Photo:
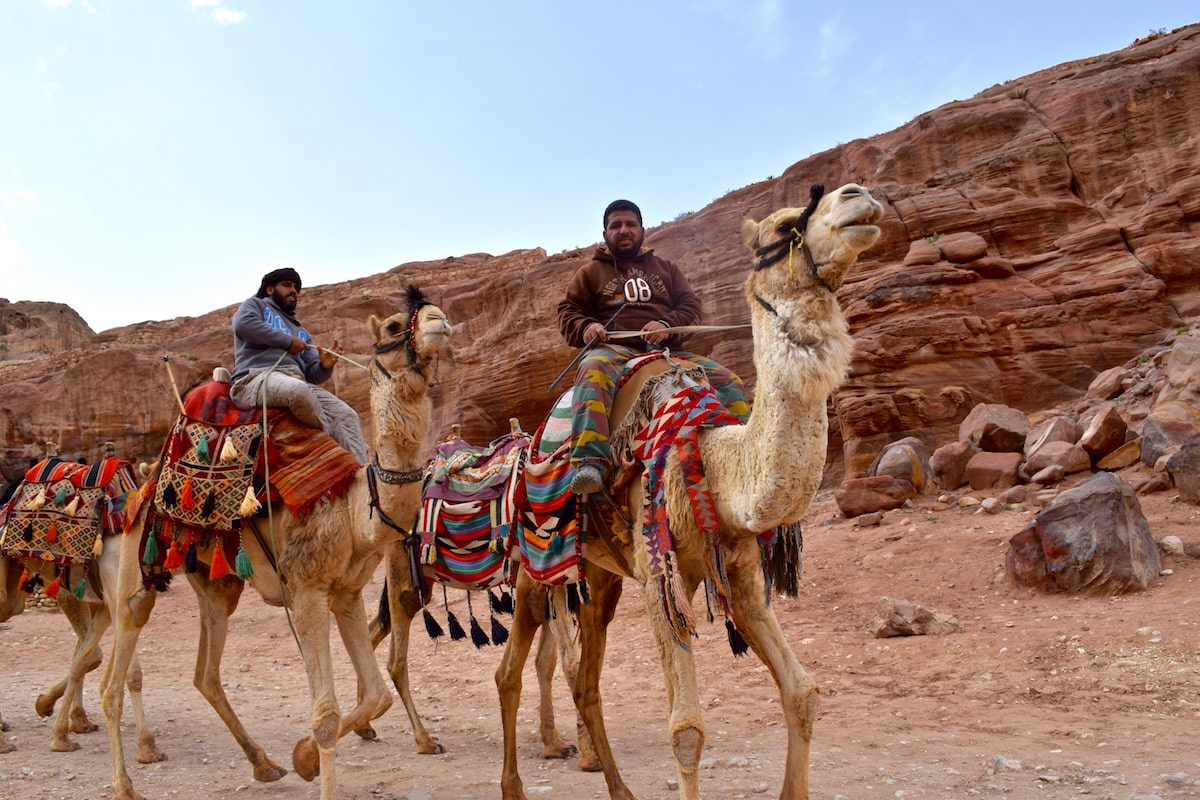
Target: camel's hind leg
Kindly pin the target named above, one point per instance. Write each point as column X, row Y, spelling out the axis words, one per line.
column 89, row 623
column 311, row 608
column 217, row 600
column 798, row 693
column 594, row 618
column 403, row 605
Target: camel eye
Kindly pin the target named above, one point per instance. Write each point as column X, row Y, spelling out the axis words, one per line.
column 392, row 328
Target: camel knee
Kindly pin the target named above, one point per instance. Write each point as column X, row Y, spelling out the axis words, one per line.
column 687, row 744
column 325, row 727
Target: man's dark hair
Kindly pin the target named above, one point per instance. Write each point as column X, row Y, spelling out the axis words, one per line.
column 621, row 205
column 275, row 276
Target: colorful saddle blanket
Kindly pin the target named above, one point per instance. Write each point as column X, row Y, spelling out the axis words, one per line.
column 214, row 471
column 62, row 509
column 468, row 511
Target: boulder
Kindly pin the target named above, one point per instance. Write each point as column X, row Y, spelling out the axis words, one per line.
column 1057, row 428
column 949, row 464
column 995, row 427
column 906, row 459
column 994, row 470
column 1105, row 432
column 1184, row 468
column 1108, row 384
column 1124, row 456
column 1071, row 457
column 1092, row 539
column 962, row 247
column 921, row 252
column 879, row 493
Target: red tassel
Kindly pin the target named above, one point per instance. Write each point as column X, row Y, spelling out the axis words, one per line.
column 174, row 559
column 52, row 589
column 219, row 567
column 52, row 533
column 187, row 499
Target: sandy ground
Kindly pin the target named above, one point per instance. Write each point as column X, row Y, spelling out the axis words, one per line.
column 1042, row 696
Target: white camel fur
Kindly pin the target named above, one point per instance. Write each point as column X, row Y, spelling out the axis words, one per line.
column 761, row 475
column 326, row 558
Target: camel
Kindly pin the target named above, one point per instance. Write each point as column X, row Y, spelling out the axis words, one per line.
column 89, row 618
column 760, row 475
column 315, row 566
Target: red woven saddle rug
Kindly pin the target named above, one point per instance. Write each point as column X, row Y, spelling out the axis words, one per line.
column 213, row 473
column 60, row 513
column 468, row 511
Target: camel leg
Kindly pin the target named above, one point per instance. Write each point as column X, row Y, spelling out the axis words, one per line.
column 686, row 724
column 374, row 698
column 217, row 600
column 403, row 604
column 312, row 605
column 544, row 662
column 560, row 631
column 525, row 623
column 89, row 624
column 594, row 619
column 798, row 693
column 131, row 607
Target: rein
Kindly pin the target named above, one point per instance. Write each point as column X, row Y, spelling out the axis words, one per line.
column 773, row 253
column 407, row 340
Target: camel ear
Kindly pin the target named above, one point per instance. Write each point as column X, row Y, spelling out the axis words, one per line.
column 374, row 323
column 750, row 233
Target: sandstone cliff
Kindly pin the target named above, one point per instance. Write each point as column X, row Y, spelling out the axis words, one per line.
column 1036, row 234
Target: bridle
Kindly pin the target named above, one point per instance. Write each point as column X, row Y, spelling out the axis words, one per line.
column 408, row 340
column 773, row 253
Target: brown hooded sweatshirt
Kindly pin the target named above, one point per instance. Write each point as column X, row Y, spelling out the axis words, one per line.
column 651, row 287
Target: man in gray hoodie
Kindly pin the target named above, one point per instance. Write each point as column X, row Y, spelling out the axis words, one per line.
column 275, row 356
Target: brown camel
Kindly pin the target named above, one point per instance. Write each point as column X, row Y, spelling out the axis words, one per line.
column 760, row 475
column 89, row 618
column 325, row 559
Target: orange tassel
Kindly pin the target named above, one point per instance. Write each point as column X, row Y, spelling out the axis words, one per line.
column 52, row 589
column 24, row 577
column 187, row 499
column 52, row 533
column 174, row 559
column 219, row 566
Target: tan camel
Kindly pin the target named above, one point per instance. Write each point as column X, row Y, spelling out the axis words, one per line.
column 761, row 475
column 326, row 559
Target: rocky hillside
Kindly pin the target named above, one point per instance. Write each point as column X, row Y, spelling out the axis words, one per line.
column 1035, row 235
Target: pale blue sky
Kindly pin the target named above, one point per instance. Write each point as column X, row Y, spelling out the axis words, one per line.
column 158, row 156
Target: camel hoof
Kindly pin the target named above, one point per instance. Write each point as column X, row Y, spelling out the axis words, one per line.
column 44, row 705
column 306, row 759
column 559, row 751
column 588, row 762
column 430, row 748
column 83, row 725
column 367, row 733
column 269, row 772
column 150, row 755
column 6, row 746
column 63, row 746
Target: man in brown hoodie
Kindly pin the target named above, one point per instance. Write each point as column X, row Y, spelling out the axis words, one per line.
column 645, row 293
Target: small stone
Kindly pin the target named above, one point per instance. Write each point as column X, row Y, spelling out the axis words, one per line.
column 1171, row 545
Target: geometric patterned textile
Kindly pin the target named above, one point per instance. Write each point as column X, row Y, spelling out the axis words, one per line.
column 204, row 484
column 550, row 537
column 62, row 509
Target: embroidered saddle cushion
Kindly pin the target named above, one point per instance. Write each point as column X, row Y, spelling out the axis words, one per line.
column 62, row 509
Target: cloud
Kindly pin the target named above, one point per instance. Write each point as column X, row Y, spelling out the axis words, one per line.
column 220, row 14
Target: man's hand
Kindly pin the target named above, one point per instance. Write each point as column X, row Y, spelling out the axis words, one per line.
column 652, row 332
column 594, row 334
column 297, row 346
column 328, row 355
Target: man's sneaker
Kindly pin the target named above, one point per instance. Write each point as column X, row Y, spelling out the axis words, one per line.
column 587, row 480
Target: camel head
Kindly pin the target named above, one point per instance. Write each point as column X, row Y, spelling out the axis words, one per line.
column 422, row 331
column 815, row 245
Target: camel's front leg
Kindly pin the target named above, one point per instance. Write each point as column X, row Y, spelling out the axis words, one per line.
column 559, row 631
column 403, row 604
column 679, row 671
column 594, row 618
column 526, row 621
column 798, row 693
column 131, row 606
column 374, row 698
column 217, row 599
column 310, row 609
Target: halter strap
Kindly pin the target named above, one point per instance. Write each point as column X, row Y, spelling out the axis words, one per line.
column 773, row 253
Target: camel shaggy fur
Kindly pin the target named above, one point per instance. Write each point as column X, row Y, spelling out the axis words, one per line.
column 325, row 560
column 761, row 475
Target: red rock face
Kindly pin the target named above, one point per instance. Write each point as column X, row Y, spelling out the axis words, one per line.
column 1066, row 204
